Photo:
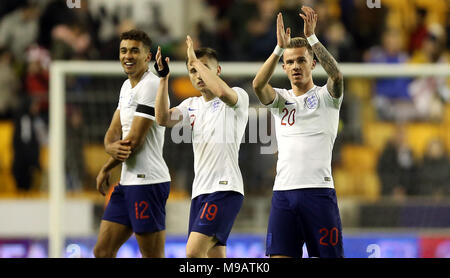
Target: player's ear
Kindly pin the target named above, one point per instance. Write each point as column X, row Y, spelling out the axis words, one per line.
column 149, row 57
column 219, row 70
column 313, row 64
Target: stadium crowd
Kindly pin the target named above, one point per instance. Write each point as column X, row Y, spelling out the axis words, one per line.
column 34, row 33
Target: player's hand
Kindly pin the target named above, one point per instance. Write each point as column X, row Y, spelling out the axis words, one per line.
column 162, row 66
column 102, row 181
column 190, row 50
column 119, row 150
column 283, row 37
column 310, row 20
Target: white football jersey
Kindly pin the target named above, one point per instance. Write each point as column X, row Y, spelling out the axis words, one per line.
column 217, row 131
column 306, row 128
column 146, row 165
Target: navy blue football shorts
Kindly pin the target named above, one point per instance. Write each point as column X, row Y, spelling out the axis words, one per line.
column 305, row 216
column 140, row 207
column 214, row 214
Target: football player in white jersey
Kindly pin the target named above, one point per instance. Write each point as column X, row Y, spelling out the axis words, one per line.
column 304, row 208
column 217, row 120
column 135, row 141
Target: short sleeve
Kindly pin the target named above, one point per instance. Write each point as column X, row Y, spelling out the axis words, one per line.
column 118, row 103
column 278, row 102
column 146, row 98
column 243, row 100
column 184, row 109
column 122, row 89
column 330, row 101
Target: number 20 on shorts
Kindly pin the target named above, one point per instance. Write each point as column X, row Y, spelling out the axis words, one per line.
column 211, row 211
column 330, row 236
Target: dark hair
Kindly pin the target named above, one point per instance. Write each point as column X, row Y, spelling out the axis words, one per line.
column 298, row 42
column 137, row 35
column 206, row 51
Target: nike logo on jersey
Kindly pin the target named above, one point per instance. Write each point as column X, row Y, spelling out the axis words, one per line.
column 191, row 109
column 289, row 103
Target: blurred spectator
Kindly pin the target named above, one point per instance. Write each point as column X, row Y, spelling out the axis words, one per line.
column 392, row 99
column 396, row 167
column 37, row 77
column 71, row 42
column 160, row 33
column 339, row 43
column 107, row 29
column 290, row 10
column 54, row 14
column 364, row 25
column 430, row 93
column 433, row 46
column 435, row 170
column 74, row 150
column 110, row 47
column 221, row 6
column 238, row 17
column 29, row 134
column 89, row 23
column 215, row 30
column 9, row 85
column 8, row 6
column 447, row 29
column 419, row 32
column 261, row 31
column 18, row 29
column 207, row 38
column 326, row 13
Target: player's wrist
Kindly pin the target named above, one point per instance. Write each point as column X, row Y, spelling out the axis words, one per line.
column 105, row 169
column 165, row 77
column 278, row 51
column 312, row 39
column 108, row 149
column 164, row 72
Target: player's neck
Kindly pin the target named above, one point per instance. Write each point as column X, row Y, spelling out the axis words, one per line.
column 207, row 95
column 300, row 89
column 135, row 78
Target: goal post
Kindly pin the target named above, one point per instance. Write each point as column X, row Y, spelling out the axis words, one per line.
column 57, row 98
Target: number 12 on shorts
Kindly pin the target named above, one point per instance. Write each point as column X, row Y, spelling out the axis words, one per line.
column 140, row 208
column 211, row 211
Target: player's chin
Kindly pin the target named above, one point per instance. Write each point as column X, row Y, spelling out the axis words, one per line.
column 200, row 87
column 128, row 71
column 297, row 79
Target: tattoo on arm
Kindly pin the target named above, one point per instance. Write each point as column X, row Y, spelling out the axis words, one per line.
column 335, row 84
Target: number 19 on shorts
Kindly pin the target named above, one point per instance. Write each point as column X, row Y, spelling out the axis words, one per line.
column 210, row 210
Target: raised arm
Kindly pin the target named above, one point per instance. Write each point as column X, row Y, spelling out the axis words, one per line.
column 165, row 116
column 261, row 86
column 212, row 81
column 335, row 83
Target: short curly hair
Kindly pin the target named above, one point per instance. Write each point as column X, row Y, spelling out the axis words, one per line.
column 137, row 35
